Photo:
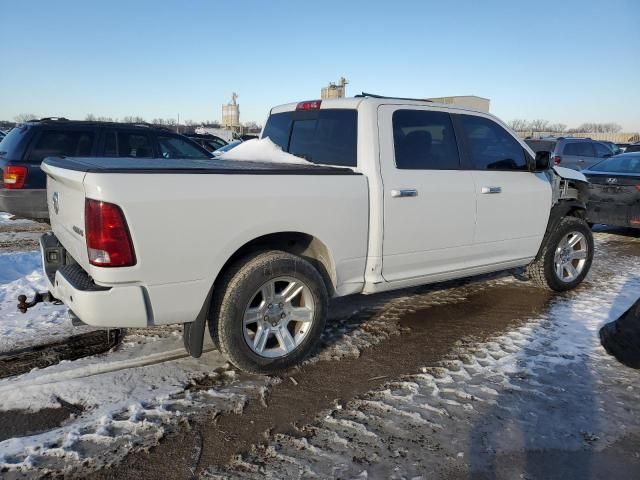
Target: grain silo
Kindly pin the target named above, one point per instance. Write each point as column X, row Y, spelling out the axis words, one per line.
column 231, row 113
column 334, row 90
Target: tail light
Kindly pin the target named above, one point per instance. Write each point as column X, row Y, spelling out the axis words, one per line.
column 638, row 187
column 14, row 177
column 557, row 159
column 108, row 239
column 309, row 105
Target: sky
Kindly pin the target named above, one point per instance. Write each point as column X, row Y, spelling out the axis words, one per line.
column 563, row 61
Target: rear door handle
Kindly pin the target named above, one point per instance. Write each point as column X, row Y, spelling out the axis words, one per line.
column 491, row 190
column 405, row 192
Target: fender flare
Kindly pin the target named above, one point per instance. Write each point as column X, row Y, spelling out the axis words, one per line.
column 560, row 210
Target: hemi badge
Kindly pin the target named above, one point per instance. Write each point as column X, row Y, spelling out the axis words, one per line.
column 78, row 231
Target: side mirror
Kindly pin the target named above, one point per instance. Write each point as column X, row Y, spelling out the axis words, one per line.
column 543, row 161
column 607, row 155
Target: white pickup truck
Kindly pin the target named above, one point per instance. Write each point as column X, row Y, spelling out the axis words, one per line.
column 405, row 192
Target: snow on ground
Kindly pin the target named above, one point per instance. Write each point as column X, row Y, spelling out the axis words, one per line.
column 546, row 385
column 128, row 398
column 261, row 150
column 131, row 396
column 7, row 219
column 21, row 273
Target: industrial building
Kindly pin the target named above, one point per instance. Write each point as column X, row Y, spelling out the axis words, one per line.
column 470, row 101
column 334, row 90
column 231, row 113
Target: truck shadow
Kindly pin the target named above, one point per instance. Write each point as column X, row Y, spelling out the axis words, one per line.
column 347, row 314
column 547, row 422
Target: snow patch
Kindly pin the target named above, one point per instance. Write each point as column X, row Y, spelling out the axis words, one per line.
column 262, row 150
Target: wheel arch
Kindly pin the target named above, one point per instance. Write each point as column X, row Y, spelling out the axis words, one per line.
column 297, row 243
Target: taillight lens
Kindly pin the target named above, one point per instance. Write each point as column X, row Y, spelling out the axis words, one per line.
column 309, row 105
column 557, row 159
column 108, row 239
column 14, row 177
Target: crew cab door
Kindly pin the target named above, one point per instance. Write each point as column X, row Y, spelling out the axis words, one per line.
column 513, row 203
column 429, row 201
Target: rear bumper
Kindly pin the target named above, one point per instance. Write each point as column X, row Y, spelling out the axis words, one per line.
column 120, row 306
column 28, row 203
column 613, row 214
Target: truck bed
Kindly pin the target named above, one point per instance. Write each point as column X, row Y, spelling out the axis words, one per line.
column 176, row 165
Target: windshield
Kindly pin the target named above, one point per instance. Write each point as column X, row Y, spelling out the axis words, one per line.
column 619, row 164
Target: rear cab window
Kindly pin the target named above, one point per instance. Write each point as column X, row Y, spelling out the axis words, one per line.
column 328, row 136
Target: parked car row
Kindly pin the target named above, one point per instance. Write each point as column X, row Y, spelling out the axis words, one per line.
column 22, row 190
column 576, row 153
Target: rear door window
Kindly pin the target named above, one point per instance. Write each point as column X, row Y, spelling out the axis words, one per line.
column 424, row 140
column 490, row 146
column 602, row 150
column 67, row 143
column 321, row 136
column 122, row 143
column 579, row 149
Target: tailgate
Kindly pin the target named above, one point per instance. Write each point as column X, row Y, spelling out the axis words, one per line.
column 65, row 200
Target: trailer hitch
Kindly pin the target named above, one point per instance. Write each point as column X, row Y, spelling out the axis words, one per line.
column 39, row 297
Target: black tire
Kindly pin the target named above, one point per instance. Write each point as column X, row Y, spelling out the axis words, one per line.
column 235, row 291
column 542, row 270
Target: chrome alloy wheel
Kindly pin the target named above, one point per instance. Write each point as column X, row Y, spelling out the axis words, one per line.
column 278, row 317
column 570, row 256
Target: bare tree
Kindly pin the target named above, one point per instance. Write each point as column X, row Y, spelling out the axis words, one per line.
column 133, row 119
column 539, row 125
column 557, row 127
column 599, row 128
column 611, row 128
column 519, row 125
column 25, row 117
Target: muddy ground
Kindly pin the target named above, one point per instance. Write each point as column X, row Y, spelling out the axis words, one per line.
column 427, row 337
column 487, row 378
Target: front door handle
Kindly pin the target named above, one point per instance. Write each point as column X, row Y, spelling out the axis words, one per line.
column 491, row 190
column 405, row 192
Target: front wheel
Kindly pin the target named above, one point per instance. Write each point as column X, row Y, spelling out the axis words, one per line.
column 269, row 312
column 566, row 256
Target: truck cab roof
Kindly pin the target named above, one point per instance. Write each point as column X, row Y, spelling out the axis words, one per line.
column 355, row 102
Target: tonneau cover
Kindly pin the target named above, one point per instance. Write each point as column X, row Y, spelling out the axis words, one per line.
column 177, row 165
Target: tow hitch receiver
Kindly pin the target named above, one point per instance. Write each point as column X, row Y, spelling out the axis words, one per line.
column 39, row 297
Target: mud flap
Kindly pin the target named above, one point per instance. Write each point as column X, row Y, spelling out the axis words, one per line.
column 193, row 332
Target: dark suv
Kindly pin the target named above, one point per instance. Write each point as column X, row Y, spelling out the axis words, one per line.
column 23, row 185
column 576, row 153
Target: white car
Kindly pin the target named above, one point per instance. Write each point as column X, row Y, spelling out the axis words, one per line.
column 405, row 192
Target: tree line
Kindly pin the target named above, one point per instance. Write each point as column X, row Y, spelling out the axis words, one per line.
column 189, row 125
column 541, row 125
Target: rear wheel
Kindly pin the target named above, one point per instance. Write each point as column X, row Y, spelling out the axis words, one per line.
column 269, row 312
column 566, row 256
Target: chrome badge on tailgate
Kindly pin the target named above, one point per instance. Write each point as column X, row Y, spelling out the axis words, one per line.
column 56, row 202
